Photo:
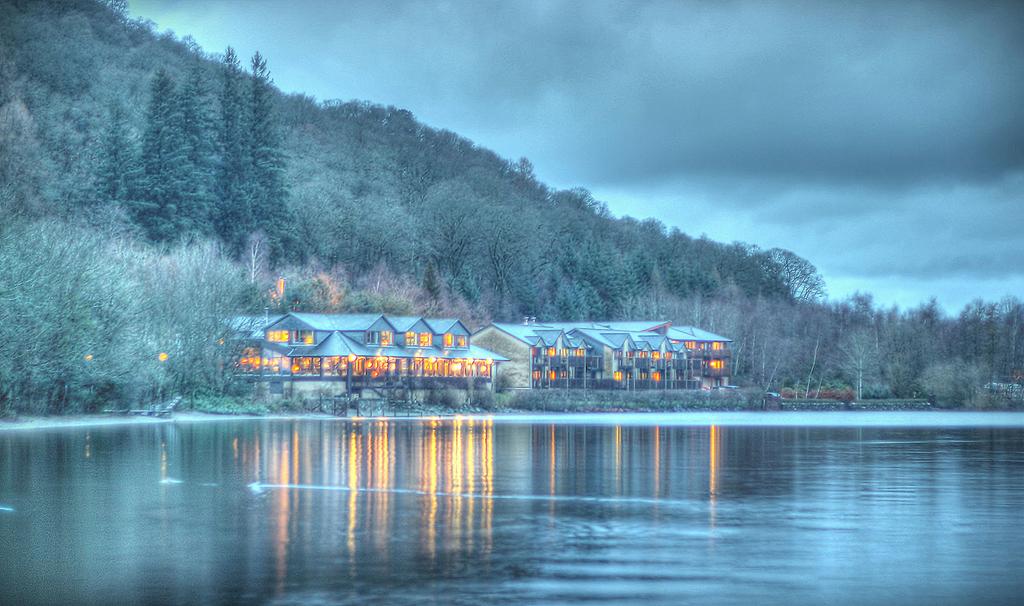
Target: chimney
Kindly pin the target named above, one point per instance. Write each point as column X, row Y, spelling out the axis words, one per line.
column 526, row 320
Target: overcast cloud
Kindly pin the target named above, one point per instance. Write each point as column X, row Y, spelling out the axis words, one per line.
column 882, row 141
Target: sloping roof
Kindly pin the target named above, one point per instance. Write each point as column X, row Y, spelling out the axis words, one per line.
column 593, row 336
column 634, row 325
column 404, row 323
column 692, row 333
column 441, row 325
column 548, row 337
column 347, row 322
column 616, row 338
column 251, row 327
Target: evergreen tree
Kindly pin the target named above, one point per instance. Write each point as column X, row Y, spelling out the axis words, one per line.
column 196, row 125
column 118, row 169
column 266, row 185
column 163, row 188
column 431, row 282
column 233, row 219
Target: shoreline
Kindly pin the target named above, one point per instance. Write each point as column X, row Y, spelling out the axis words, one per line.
column 819, row 418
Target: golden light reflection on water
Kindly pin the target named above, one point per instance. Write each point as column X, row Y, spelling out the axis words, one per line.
column 657, row 461
column 445, row 468
column 713, row 462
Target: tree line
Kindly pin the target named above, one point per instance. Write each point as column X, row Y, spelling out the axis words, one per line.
column 145, row 160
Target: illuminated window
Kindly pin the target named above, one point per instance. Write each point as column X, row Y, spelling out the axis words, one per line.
column 717, row 345
column 425, row 339
column 656, row 375
column 410, row 339
column 277, row 336
column 552, row 375
column 618, row 375
column 302, row 336
column 386, row 338
column 668, row 355
column 449, row 339
column 551, row 352
column 656, row 355
column 461, row 340
column 690, row 345
column 536, row 375
column 717, row 364
column 581, row 352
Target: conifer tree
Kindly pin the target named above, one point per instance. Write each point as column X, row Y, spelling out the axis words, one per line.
column 196, row 125
column 233, row 215
column 267, row 189
column 118, row 169
column 157, row 207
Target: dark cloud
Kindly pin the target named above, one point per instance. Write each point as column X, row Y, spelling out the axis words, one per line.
column 893, row 132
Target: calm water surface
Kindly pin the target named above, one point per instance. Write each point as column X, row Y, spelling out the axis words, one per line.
column 671, row 509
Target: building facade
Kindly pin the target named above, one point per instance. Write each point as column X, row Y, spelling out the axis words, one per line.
column 608, row 355
column 299, row 353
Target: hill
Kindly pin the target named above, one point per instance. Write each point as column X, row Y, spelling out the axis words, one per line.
column 148, row 189
column 366, row 187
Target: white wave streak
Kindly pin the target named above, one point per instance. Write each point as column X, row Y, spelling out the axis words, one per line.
column 257, row 488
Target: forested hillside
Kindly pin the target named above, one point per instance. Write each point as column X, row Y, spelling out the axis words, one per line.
column 144, row 170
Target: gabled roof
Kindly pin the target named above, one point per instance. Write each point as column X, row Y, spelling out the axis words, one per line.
column 404, row 323
column 617, row 338
column 548, row 337
column 443, row 325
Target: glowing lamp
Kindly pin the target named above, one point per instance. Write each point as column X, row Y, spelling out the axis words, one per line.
column 88, row 357
column 162, row 356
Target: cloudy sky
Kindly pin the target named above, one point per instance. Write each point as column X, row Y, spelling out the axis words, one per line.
column 882, row 141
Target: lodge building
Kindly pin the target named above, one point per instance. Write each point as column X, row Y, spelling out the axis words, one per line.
column 302, row 353
column 608, row 355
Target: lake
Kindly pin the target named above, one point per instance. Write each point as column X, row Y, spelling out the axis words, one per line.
column 783, row 508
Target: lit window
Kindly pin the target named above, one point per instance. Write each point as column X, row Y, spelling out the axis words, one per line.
column 277, row 336
column 410, row 339
column 618, row 375
column 656, row 375
column 302, row 336
column 551, row 352
column 449, row 339
column 552, row 375
column 386, row 338
column 717, row 345
column 461, row 341
column 425, row 339
column 656, row 355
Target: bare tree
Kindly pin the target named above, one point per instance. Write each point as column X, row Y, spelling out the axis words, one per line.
column 798, row 275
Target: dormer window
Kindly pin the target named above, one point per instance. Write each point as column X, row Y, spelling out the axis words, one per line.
column 387, row 338
column 410, row 339
column 304, row 337
column 449, row 339
column 460, row 340
column 277, row 336
column 425, row 339
column 372, row 337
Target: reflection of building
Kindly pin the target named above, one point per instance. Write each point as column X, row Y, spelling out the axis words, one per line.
column 608, row 355
column 352, row 353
